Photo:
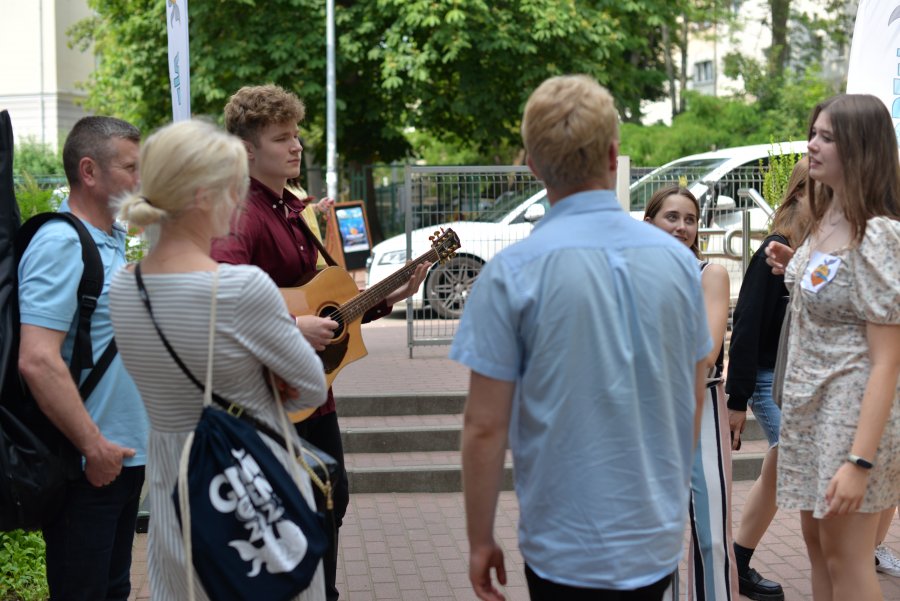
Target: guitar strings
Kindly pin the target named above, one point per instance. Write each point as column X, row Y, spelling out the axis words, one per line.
column 350, row 307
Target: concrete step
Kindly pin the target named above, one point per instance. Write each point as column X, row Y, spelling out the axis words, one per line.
column 440, row 471
column 430, row 432
column 410, row 443
column 400, row 404
column 436, row 471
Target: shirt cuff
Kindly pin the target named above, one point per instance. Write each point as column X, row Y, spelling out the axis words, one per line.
column 737, row 403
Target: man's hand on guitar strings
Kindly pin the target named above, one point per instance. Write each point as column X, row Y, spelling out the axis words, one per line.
column 318, row 331
column 415, row 280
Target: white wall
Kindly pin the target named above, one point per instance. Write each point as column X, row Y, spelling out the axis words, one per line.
column 751, row 38
column 39, row 73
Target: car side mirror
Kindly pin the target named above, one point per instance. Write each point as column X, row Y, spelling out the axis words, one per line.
column 534, row 213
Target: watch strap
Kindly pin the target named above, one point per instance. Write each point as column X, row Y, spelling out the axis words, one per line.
column 859, row 461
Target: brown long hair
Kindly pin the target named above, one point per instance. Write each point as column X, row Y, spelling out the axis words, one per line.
column 656, row 202
column 791, row 219
column 867, row 146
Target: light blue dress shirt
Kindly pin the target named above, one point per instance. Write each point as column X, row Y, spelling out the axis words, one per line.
column 49, row 274
column 599, row 320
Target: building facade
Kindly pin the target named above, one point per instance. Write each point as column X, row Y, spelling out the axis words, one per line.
column 41, row 77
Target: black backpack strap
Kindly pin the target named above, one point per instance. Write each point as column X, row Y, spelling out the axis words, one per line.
column 89, row 289
column 90, row 383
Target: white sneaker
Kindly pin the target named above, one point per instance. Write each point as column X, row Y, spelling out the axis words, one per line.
column 886, row 562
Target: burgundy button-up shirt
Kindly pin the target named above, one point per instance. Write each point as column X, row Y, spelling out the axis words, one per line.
column 277, row 244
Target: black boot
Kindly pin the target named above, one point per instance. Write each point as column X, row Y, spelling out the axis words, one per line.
column 753, row 586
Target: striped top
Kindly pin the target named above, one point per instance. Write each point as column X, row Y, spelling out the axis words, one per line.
column 253, row 330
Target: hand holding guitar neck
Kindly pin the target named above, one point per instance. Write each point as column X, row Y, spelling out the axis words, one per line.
column 415, row 280
column 332, row 307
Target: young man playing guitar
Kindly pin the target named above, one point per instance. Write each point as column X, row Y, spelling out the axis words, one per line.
column 271, row 235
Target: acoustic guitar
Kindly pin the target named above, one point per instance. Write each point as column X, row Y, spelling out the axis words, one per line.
column 333, row 293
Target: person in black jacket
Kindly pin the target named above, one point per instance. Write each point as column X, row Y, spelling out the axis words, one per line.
column 751, row 362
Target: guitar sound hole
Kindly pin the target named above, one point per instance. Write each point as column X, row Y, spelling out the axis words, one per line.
column 330, row 312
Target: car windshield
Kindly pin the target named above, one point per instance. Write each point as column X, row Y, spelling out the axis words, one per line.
column 509, row 200
column 684, row 173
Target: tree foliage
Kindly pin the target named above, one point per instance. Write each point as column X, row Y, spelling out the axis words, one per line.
column 35, row 158
column 766, row 112
column 457, row 69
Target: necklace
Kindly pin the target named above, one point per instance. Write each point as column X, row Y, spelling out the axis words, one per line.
column 835, row 226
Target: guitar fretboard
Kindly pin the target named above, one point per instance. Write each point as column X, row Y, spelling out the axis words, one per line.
column 359, row 304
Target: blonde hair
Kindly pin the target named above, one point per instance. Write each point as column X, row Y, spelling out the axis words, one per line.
column 791, row 219
column 568, row 126
column 176, row 162
column 253, row 108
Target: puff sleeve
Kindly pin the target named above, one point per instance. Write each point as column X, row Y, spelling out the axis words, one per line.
column 876, row 272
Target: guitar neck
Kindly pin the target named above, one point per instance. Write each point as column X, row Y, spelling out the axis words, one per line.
column 358, row 305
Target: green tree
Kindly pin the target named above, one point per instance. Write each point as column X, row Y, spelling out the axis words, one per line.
column 456, row 69
column 451, row 67
column 765, row 113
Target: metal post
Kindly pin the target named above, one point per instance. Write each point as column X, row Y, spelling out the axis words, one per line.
column 745, row 240
column 408, row 223
column 623, row 180
column 330, row 112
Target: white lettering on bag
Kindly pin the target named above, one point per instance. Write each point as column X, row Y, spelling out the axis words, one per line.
column 244, row 491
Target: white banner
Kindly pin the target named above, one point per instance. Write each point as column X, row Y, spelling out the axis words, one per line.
column 875, row 54
column 179, row 58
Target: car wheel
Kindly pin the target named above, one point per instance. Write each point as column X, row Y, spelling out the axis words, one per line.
column 448, row 286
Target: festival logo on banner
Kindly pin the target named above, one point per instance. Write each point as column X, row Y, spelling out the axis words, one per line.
column 179, row 58
column 874, row 66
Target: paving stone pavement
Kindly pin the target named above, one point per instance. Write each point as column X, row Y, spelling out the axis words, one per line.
column 413, row 547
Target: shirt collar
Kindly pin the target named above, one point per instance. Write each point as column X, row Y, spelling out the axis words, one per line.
column 582, row 202
column 274, row 200
column 100, row 236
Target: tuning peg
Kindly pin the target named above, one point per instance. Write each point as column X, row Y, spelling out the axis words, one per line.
column 431, row 238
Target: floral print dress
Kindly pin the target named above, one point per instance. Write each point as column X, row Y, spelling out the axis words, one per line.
column 828, row 368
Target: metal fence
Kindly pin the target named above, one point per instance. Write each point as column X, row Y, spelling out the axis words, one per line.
column 485, row 205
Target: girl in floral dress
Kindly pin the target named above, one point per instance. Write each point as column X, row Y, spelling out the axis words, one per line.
column 839, row 461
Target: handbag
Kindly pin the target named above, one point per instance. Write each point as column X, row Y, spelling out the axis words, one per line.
column 781, row 356
column 246, row 527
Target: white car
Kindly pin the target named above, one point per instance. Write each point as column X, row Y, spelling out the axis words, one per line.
column 713, row 177
column 447, row 285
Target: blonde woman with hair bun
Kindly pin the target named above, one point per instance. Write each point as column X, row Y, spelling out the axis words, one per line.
column 193, row 180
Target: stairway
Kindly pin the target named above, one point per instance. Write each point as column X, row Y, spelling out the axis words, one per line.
column 410, row 443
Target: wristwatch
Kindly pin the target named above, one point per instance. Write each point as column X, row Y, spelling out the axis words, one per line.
column 859, row 461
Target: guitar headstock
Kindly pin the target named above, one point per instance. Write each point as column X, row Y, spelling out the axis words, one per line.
column 445, row 243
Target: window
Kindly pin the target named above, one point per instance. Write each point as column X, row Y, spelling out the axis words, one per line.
column 703, row 72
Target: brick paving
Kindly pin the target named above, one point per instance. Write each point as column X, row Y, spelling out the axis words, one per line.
column 413, row 546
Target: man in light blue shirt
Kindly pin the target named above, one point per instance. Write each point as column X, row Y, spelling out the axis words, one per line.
column 89, row 543
column 585, row 343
